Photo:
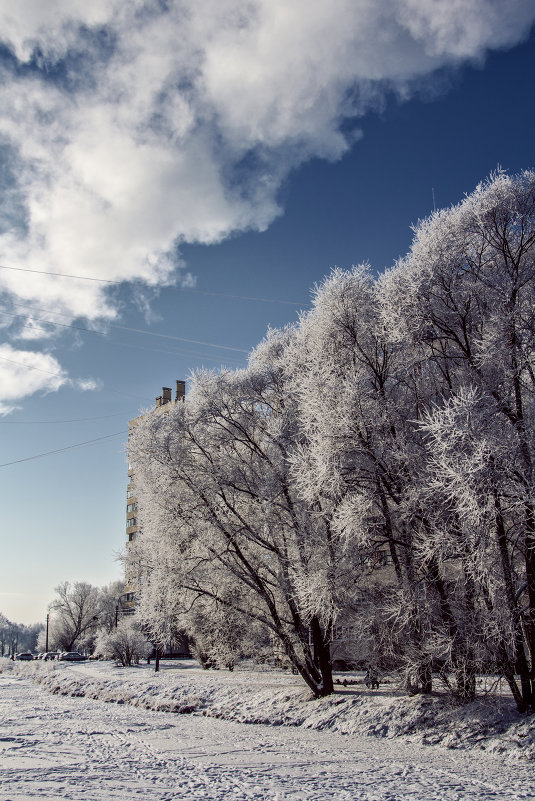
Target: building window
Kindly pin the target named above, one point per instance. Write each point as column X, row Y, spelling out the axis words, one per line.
column 375, row 559
column 344, row 633
column 131, row 521
column 131, row 507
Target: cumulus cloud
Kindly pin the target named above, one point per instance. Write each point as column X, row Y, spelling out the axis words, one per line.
column 130, row 128
column 26, row 327
column 25, row 372
column 86, row 384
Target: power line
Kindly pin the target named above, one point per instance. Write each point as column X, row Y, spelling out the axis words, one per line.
column 59, row 275
column 117, row 342
column 66, row 378
column 56, row 422
column 62, row 450
column 124, row 281
column 180, row 339
column 33, row 367
column 134, row 330
column 246, row 297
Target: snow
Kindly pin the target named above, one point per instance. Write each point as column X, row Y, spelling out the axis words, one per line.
column 59, row 739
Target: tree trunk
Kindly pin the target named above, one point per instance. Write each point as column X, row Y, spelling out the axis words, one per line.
column 521, row 661
column 462, row 658
column 419, row 675
column 322, row 656
column 529, row 614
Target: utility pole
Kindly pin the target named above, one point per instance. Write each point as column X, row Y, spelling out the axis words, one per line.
column 46, row 644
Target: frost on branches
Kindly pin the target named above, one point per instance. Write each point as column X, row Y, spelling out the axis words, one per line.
column 373, row 464
column 463, row 302
column 125, row 643
column 222, row 520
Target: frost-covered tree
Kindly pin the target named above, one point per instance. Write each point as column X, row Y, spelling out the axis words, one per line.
column 395, row 421
column 110, row 605
column 17, row 637
column 375, row 361
column 219, row 636
column 477, row 527
column 222, row 517
column 361, row 461
column 74, row 615
column 463, row 298
column 8, row 636
column 124, row 643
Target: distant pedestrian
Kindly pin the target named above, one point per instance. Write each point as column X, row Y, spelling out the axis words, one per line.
column 371, row 679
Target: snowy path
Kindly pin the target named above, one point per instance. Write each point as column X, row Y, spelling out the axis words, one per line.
column 56, row 747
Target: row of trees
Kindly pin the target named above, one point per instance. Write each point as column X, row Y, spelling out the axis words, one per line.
column 82, row 617
column 78, row 613
column 91, row 619
column 17, row 637
column 397, row 417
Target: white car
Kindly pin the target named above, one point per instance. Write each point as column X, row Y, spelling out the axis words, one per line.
column 71, row 656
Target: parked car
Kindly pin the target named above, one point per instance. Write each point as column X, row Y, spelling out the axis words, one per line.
column 25, row 656
column 71, row 656
column 51, row 655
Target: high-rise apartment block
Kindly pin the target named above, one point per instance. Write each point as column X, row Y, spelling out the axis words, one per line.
column 164, row 402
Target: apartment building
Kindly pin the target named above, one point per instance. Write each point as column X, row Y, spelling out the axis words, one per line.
column 164, row 402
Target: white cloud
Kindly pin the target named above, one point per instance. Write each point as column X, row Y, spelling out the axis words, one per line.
column 466, row 28
column 25, row 372
column 137, row 126
column 87, row 384
column 33, row 329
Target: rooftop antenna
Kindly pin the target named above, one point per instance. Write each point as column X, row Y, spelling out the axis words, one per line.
column 433, row 193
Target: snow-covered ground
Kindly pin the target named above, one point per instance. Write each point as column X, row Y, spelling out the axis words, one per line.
column 58, row 742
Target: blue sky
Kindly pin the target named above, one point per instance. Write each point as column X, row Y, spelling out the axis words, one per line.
column 214, row 160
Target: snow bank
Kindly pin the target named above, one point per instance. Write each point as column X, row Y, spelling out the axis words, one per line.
column 491, row 723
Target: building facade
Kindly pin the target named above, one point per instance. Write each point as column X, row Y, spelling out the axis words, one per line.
column 164, row 402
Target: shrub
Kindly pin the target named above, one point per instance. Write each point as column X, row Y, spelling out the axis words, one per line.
column 127, row 644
